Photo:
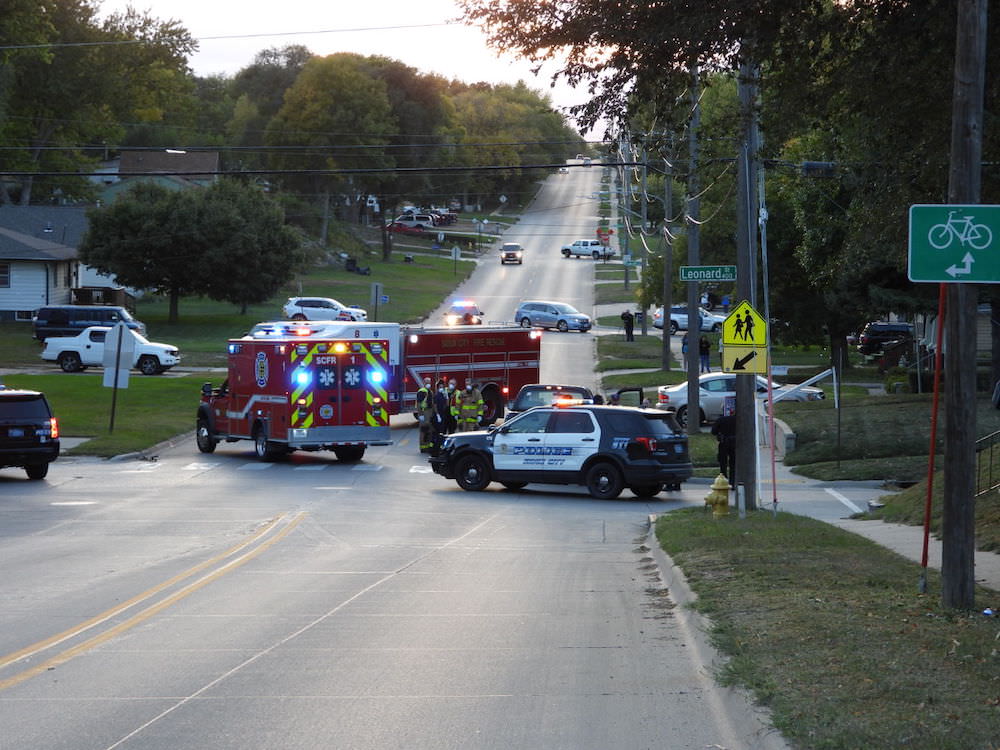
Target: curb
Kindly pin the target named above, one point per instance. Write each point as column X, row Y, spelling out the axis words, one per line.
column 149, row 454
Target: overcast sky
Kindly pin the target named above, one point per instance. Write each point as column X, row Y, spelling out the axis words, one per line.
column 383, row 27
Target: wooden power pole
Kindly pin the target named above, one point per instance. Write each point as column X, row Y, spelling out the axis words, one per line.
column 964, row 187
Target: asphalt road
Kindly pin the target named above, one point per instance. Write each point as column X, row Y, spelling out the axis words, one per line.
column 213, row 601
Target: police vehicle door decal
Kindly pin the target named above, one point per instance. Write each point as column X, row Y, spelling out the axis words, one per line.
column 521, row 443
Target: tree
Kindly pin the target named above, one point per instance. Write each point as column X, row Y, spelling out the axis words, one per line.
column 76, row 94
column 147, row 239
column 228, row 242
column 243, row 232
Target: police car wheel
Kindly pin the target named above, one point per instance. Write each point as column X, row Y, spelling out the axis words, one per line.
column 646, row 490
column 472, row 473
column 604, row 481
column 514, row 485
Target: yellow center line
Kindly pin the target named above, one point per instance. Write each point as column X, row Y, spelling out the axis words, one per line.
column 149, row 611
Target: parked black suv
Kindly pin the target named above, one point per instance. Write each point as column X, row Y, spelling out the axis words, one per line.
column 605, row 448
column 546, row 394
column 875, row 335
column 69, row 320
column 29, row 434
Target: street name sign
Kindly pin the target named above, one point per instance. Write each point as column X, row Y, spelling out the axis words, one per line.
column 708, row 273
column 954, row 243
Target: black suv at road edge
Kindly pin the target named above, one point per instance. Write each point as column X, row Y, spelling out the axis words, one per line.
column 605, row 448
column 29, row 434
column 875, row 335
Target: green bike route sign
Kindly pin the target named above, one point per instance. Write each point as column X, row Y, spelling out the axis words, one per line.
column 955, row 243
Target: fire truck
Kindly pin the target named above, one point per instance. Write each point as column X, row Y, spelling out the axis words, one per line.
column 332, row 385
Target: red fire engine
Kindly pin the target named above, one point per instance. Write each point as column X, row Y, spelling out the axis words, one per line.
column 333, row 385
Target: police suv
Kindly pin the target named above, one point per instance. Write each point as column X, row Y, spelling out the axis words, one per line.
column 605, row 448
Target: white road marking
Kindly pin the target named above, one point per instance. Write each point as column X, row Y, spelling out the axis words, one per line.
column 851, row 506
column 145, row 469
column 310, row 467
column 367, row 467
column 77, row 502
column 254, row 466
column 199, row 466
column 420, row 469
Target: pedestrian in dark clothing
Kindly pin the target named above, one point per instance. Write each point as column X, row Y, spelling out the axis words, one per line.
column 724, row 430
column 442, row 415
column 704, row 352
column 628, row 321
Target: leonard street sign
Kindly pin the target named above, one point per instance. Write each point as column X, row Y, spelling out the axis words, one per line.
column 708, row 273
column 955, row 243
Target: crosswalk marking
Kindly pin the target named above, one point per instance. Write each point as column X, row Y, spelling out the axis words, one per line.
column 420, row 469
column 196, row 466
column 254, row 466
column 367, row 467
column 310, row 467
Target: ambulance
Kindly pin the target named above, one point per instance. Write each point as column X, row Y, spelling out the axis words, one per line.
column 332, row 385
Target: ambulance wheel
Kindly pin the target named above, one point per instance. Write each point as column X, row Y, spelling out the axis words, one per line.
column 349, row 453
column 263, row 448
column 604, row 481
column 203, row 436
column 472, row 473
column 646, row 490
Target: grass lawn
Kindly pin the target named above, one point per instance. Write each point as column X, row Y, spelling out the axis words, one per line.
column 828, row 631
column 150, row 410
column 606, row 294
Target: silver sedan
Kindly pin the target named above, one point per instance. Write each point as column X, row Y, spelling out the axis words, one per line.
column 717, row 387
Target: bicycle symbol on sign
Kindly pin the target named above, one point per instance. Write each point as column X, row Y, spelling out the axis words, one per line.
column 976, row 236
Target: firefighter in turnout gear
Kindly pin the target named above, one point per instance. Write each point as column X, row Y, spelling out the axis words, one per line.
column 453, row 406
column 425, row 415
column 470, row 407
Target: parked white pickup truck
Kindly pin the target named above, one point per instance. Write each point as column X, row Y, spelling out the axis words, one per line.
column 86, row 349
column 588, row 248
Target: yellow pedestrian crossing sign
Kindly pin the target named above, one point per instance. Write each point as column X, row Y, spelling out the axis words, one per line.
column 745, row 327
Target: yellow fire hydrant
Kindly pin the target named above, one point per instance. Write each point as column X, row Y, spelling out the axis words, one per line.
column 718, row 498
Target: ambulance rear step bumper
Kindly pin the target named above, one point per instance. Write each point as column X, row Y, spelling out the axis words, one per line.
column 324, row 438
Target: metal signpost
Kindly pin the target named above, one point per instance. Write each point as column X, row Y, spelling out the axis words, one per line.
column 119, row 349
column 954, row 243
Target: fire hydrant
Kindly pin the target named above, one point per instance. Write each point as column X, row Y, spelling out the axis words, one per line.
column 718, row 498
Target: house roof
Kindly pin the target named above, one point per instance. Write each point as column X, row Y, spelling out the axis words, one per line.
column 41, row 232
column 144, row 162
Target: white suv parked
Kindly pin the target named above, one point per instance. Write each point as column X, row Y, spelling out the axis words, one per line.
column 321, row 308
column 86, row 349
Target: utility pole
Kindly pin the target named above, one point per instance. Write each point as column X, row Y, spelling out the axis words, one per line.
column 693, row 215
column 747, row 451
column 668, row 261
column 958, row 520
column 644, row 203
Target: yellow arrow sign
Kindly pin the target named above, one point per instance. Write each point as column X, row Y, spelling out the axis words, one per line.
column 744, row 359
column 744, row 327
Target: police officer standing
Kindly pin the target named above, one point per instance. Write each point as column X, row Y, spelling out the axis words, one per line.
column 470, row 407
column 425, row 415
column 442, row 414
column 724, row 430
column 628, row 321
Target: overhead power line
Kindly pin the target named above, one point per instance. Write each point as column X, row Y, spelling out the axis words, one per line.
column 125, row 42
column 331, row 172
